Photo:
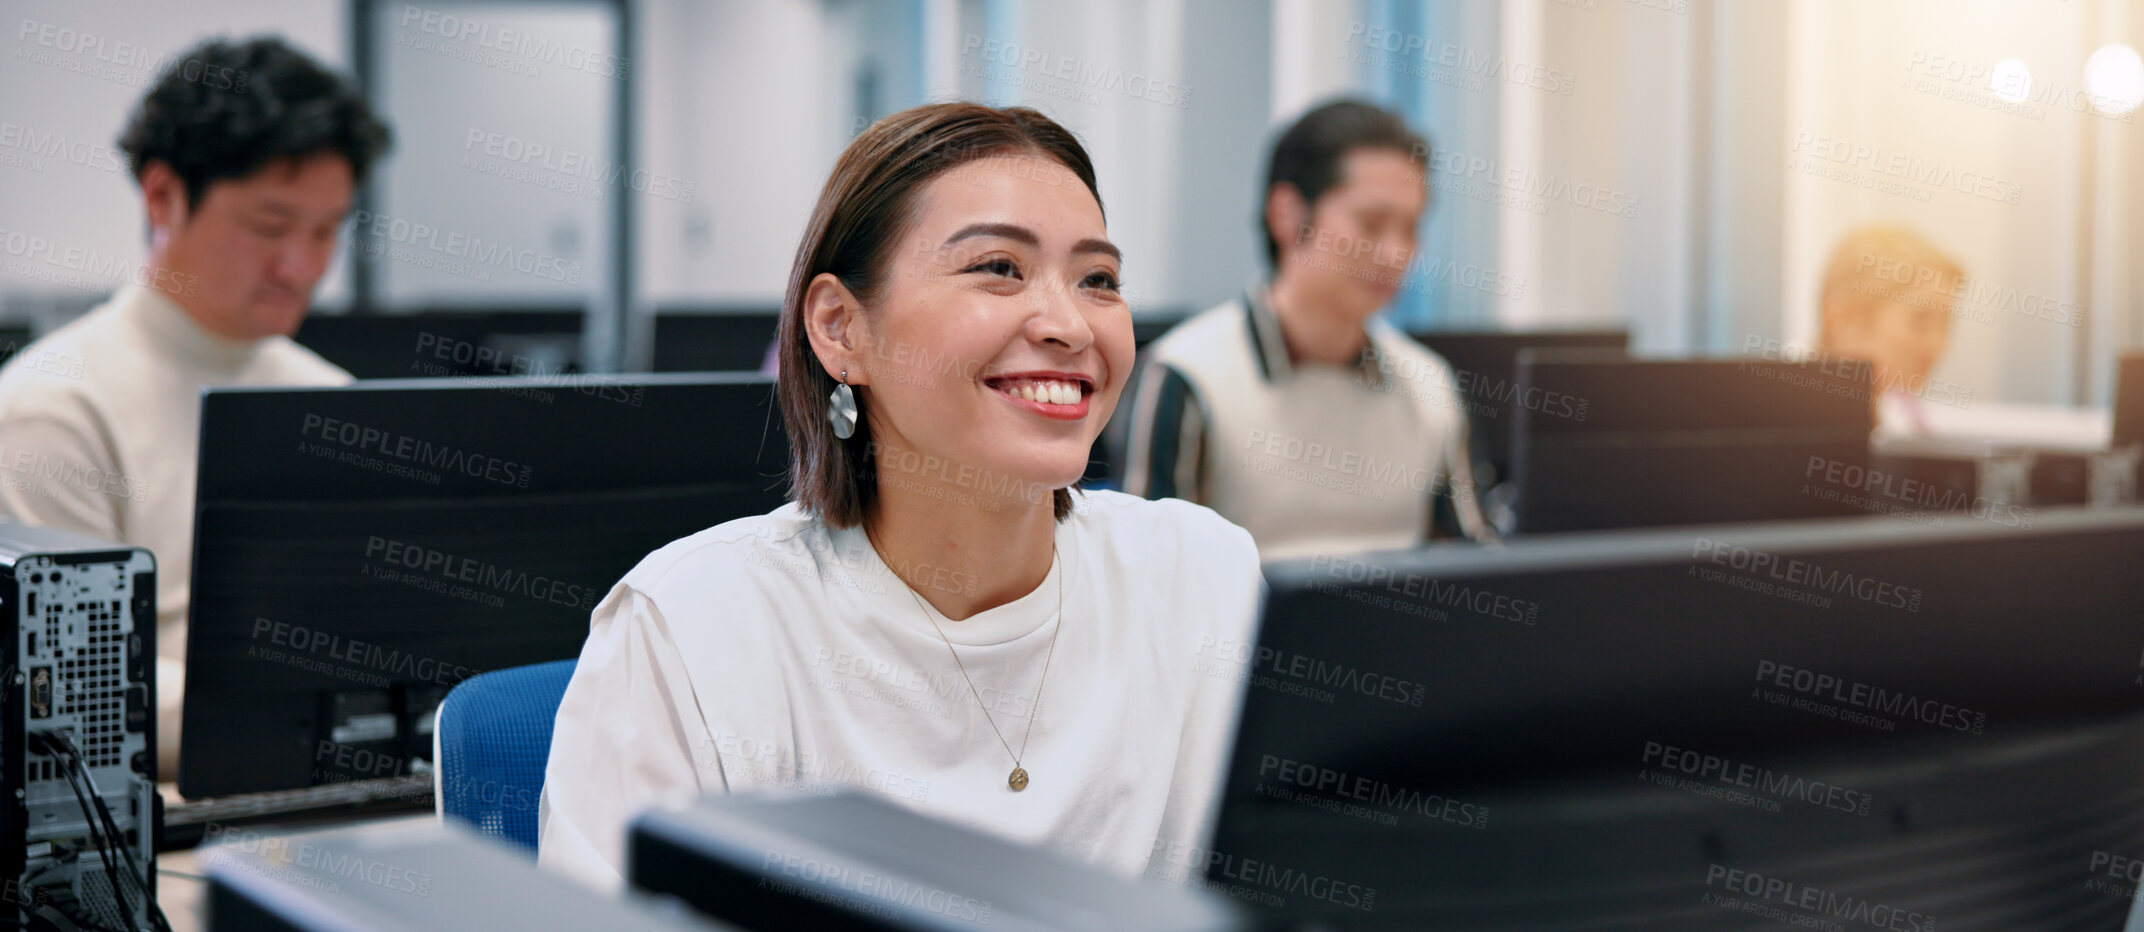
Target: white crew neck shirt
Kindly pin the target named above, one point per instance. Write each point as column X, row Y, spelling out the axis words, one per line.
column 774, row 651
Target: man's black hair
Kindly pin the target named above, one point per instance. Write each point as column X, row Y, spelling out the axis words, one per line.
column 227, row 108
column 1308, row 155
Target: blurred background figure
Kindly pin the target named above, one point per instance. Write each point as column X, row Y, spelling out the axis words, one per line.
column 1291, row 410
column 248, row 155
column 1887, row 300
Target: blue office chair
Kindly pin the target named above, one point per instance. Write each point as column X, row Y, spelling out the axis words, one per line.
column 494, row 735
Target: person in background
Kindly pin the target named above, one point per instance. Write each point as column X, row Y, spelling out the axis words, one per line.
column 248, row 154
column 937, row 616
column 1887, row 299
column 1291, row 410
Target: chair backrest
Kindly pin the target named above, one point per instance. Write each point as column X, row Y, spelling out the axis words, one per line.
column 494, row 738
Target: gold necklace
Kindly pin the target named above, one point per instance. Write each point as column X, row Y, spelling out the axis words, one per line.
column 1018, row 778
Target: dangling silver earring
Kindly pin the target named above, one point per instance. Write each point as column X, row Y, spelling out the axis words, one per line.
column 841, row 408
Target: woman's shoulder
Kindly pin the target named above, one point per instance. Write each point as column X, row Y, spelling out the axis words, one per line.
column 725, row 553
column 1136, row 527
column 1180, row 562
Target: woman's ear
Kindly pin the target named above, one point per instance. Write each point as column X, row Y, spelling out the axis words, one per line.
column 834, row 322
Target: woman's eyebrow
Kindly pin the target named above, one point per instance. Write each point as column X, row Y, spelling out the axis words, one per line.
column 1102, row 246
column 1011, row 231
column 1027, row 237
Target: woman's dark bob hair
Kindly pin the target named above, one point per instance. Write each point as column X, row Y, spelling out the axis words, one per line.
column 862, row 213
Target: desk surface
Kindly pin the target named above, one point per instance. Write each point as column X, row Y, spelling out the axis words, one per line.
column 1985, row 423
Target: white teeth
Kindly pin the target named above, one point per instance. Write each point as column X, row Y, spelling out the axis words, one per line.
column 1045, row 392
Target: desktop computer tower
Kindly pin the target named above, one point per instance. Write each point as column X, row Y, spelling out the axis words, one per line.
column 77, row 730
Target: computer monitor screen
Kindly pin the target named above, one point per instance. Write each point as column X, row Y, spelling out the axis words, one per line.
column 359, row 550
column 1606, row 441
column 1485, row 369
column 1843, row 721
column 717, row 340
column 445, row 343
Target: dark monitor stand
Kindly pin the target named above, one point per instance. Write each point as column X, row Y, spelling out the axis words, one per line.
column 1698, row 728
column 1605, row 441
column 359, row 550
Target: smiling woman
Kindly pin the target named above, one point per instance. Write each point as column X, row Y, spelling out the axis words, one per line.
column 996, row 182
column 937, row 616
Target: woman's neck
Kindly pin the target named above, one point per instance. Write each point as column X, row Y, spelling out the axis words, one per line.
column 964, row 553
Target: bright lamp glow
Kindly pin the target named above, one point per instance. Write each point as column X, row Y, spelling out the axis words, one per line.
column 2012, row 81
column 2114, row 79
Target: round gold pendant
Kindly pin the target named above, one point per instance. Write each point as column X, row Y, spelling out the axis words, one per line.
column 1018, row 780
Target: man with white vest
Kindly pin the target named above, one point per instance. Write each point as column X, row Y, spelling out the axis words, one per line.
column 1291, row 410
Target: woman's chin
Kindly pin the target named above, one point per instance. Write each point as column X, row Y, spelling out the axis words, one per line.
column 1053, row 477
column 1028, row 479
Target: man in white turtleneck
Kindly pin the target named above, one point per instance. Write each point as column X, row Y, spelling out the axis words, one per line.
column 248, row 155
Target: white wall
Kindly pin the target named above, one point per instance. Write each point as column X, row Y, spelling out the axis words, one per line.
column 1862, row 78
column 740, row 99
column 1689, row 110
column 1606, row 173
column 72, row 70
column 1709, row 116
column 511, row 151
column 755, row 102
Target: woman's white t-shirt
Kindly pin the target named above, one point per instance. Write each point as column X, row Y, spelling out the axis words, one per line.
column 775, row 651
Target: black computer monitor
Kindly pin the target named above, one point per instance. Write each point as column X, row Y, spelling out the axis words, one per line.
column 358, row 550
column 714, row 339
column 445, row 343
column 845, row 859
column 1485, row 367
column 1849, row 720
column 1603, row 441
